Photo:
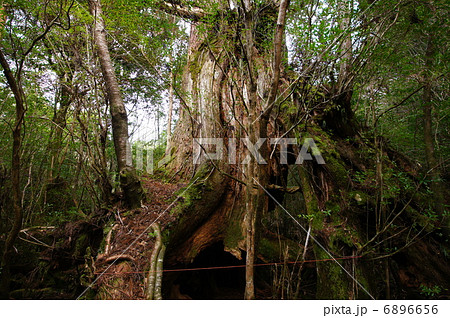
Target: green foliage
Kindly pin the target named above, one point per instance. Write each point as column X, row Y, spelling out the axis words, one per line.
column 430, row 291
column 396, row 69
column 52, row 217
column 68, row 155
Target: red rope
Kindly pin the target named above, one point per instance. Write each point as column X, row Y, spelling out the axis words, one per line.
column 233, row 266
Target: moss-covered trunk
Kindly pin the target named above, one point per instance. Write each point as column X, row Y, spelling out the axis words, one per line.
column 286, row 195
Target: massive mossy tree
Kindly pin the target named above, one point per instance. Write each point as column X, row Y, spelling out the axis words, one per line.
column 299, row 185
column 239, row 87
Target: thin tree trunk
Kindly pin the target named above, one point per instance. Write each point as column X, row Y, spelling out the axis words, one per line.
column 171, row 95
column 15, row 87
column 59, row 121
column 257, row 174
column 344, row 81
column 169, row 119
column 118, row 111
column 129, row 180
column 252, row 187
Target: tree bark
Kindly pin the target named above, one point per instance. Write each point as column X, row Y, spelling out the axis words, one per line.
column 170, row 111
column 228, row 79
column 171, row 96
column 129, row 181
column 344, row 81
column 257, row 173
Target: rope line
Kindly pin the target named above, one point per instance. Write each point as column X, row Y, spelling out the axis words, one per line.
column 232, row 266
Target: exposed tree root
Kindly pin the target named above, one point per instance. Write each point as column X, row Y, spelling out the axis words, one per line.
column 156, row 266
column 123, row 257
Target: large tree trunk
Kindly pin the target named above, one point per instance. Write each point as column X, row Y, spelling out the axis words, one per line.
column 226, row 101
column 229, row 84
column 130, row 183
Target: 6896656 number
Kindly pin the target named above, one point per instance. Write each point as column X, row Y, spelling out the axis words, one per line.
column 411, row 309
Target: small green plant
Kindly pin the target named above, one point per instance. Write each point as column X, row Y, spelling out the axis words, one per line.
column 306, row 217
column 446, row 211
column 430, row 291
column 431, row 214
column 360, row 176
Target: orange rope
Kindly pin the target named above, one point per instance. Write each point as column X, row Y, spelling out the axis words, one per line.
column 233, row 266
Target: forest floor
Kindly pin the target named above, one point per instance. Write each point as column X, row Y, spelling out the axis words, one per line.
column 132, row 240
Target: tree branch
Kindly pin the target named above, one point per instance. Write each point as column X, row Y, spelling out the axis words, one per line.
column 179, row 9
column 277, row 49
column 398, row 104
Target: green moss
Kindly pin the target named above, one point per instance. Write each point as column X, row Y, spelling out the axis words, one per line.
column 199, row 201
column 106, row 229
column 311, row 202
column 341, row 235
column 333, row 207
column 195, row 66
column 234, row 234
column 327, row 148
column 336, row 168
column 269, row 249
column 131, row 185
column 195, row 191
column 289, row 108
column 333, row 282
column 273, row 249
